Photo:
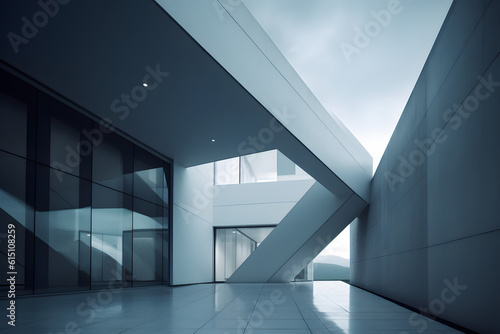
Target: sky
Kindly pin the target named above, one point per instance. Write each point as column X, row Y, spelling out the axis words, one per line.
column 361, row 58
column 361, row 63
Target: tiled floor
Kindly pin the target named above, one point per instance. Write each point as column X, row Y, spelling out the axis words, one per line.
column 295, row 308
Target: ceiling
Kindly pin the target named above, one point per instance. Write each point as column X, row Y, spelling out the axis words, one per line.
column 97, row 55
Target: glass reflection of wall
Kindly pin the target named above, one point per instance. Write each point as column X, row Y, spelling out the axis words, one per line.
column 63, row 198
column 80, row 199
column 147, row 243
column 62, row 258
column 259, row 167
column 111, row 219
column 17, row 140
column 233, row 246
column 151, row 190
column 269, row 166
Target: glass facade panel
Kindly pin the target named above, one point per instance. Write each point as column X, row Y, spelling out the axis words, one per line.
column 233, row 246
column 227, row 171
column 111, row 219
column 64, row 138
column 62, row 221
column 16, row 221
column 74, row 210
column 113, row 163
column 150, row 182
column 17, row 114
column 147, row 243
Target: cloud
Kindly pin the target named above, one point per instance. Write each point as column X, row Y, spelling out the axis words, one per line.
column 370, row 93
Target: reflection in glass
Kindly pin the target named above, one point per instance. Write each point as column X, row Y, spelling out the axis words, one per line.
column 16, row 208
column 62, row 253
column 147, row 243
column 64, row 138
column 17, row 100
column 77, row 234
column 113, row 163
column 233, row 246
column 267, row 166
column 111, row 219
column 259, row 167
column 150, row 182
column 227, row 171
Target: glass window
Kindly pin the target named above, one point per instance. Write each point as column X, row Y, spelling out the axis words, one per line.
column 150, row 181
column 233, row 246
column 62, row 240
column 91, row 211
column 64, row 138
column 113, row 162
column 111, row 219
column 17, row 128
column 285, row 165
column 147, row 243
column 259, row 167
column 227, row 171
column 17, row 215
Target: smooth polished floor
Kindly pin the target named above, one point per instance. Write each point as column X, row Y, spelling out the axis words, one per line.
column 293, row 308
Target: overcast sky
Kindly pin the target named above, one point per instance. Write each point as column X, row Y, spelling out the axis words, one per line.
column 365, row 82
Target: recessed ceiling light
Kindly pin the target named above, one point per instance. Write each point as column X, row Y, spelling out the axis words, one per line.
column 145, row 84
column 213, row 140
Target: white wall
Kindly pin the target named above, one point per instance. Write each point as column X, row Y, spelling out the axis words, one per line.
column 257, row 203
column 192, row 225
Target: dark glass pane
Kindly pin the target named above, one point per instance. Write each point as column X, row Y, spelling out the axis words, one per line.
column 111, row 220
column 17, row 128
column 233, row 246
column 64, row 138
column 62, row 236
column 147, row 243
column 149, row 177
column 16, row 222
column 113, row 161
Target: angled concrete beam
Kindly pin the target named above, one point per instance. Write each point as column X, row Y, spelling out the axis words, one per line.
column 309, row 227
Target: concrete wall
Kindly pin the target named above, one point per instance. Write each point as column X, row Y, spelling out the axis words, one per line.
column 433, row 222
column 316, row 219
column 193, row 246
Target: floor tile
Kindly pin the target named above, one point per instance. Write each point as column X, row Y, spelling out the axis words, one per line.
column 306, row 308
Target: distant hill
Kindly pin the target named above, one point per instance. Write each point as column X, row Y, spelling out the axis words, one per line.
column 332, row 259
column 328, row 271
